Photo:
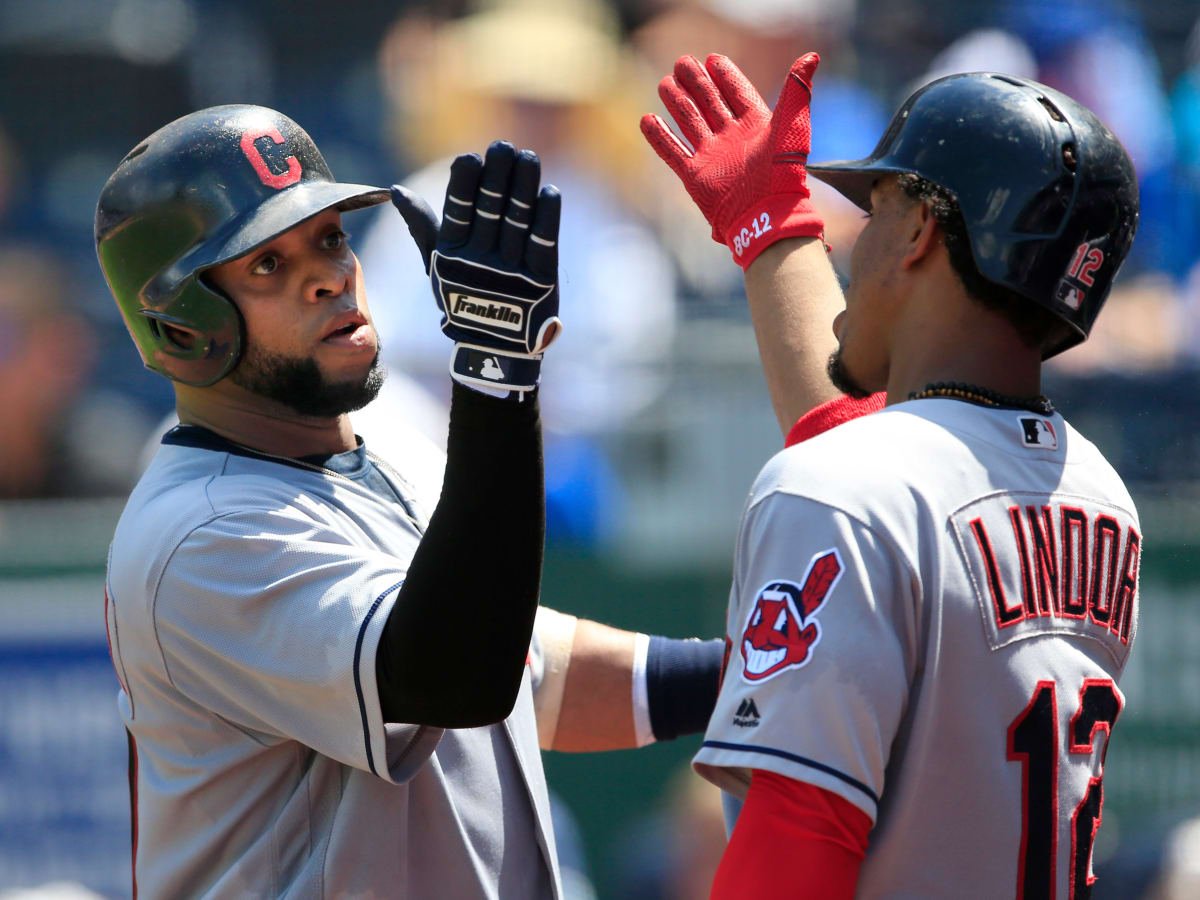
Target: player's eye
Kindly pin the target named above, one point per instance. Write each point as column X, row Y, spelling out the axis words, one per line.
column 336, row 240
column 266, row 265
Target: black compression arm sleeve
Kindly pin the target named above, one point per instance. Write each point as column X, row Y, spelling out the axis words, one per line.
column 453, row 649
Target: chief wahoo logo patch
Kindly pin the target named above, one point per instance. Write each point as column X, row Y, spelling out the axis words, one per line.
column 781, row 631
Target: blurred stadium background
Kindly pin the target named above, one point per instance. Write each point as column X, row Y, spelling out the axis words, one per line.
column 656, row 411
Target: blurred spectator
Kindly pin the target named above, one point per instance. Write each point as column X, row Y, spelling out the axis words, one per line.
column 763, row 37
column 58, row 439
column 546, row 76
column 45, row 354
column 9, row 175
column 1097, row 52
column 982, row 50
column 1185, row 110
column 535, row 74
column 1185, row 113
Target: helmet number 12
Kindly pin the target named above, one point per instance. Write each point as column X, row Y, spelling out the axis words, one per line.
column 1033, row 741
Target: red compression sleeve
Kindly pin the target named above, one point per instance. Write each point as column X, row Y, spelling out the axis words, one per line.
column 792, row 840
column 833, row 412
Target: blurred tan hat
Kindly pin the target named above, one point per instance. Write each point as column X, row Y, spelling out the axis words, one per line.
column 566, row 52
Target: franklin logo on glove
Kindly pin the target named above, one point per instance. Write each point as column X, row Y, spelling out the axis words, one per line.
column 502, row 315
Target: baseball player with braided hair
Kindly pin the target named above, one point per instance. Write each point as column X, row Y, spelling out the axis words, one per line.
column 933, row 603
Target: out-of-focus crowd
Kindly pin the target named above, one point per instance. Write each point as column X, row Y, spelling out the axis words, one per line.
column 392, row 90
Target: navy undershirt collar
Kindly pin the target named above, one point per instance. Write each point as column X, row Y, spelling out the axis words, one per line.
column 351, row 463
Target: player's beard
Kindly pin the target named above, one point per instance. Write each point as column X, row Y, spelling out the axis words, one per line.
column 297, row 383
column 841, row 378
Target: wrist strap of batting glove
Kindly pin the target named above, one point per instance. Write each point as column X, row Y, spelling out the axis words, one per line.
column 494, row 371
column 769, row 220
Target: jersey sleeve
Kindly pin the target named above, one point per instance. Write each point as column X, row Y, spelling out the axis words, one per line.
column 821, row 653
column 270, row 619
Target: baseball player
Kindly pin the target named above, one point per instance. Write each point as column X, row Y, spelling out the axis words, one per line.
column 932, row 604
column 279, row 601
column 326, row 666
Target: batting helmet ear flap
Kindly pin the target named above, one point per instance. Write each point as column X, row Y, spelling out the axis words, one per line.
column 191, row 307
column 215, row 329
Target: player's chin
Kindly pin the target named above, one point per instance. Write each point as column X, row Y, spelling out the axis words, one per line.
column 839, row 373
column 339, row 394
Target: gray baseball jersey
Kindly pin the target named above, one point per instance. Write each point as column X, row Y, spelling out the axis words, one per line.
column 930, row 611
column 246, row 597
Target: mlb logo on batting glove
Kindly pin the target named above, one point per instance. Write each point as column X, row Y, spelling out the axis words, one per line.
column 485, row 367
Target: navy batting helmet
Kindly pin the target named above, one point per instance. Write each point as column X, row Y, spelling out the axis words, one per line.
column 1047, row 193
column 203, row 190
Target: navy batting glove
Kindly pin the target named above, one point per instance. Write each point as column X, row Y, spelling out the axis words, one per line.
column 493, row 264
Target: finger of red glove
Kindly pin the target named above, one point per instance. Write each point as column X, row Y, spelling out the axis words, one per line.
column 797, row 89
column 683, row 110
column 669, row 148
column 739, row 94
column 693, row 78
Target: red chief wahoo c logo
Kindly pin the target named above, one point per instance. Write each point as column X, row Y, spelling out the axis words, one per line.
column 781, row 630
column 277, row 180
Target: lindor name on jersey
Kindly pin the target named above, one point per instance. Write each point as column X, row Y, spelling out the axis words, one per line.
column 1049, row 563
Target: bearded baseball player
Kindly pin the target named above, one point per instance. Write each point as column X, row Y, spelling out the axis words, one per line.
column 932, row 604
column 326, row 665
column 280, row 600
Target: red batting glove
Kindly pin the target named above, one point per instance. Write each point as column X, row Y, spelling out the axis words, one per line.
column 747, row 169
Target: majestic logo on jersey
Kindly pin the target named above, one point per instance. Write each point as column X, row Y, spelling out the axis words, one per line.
column 493, row 312
column 747, row 714
column 1038, row 433
column 781, row 630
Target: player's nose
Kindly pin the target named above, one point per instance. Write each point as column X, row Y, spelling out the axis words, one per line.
column 328, row 277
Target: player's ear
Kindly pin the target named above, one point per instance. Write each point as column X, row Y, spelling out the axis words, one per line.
column 923, row 235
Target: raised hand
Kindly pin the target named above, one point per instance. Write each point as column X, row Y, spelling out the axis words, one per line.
column 745, row 167
column 493, row 265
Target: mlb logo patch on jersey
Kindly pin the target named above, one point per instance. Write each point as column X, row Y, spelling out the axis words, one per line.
column 781, row 629
column 1037, row 433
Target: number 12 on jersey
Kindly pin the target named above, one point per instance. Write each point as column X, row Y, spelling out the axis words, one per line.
column 1033, row 741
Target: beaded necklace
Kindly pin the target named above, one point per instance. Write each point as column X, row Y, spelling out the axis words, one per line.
column 971, row 393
